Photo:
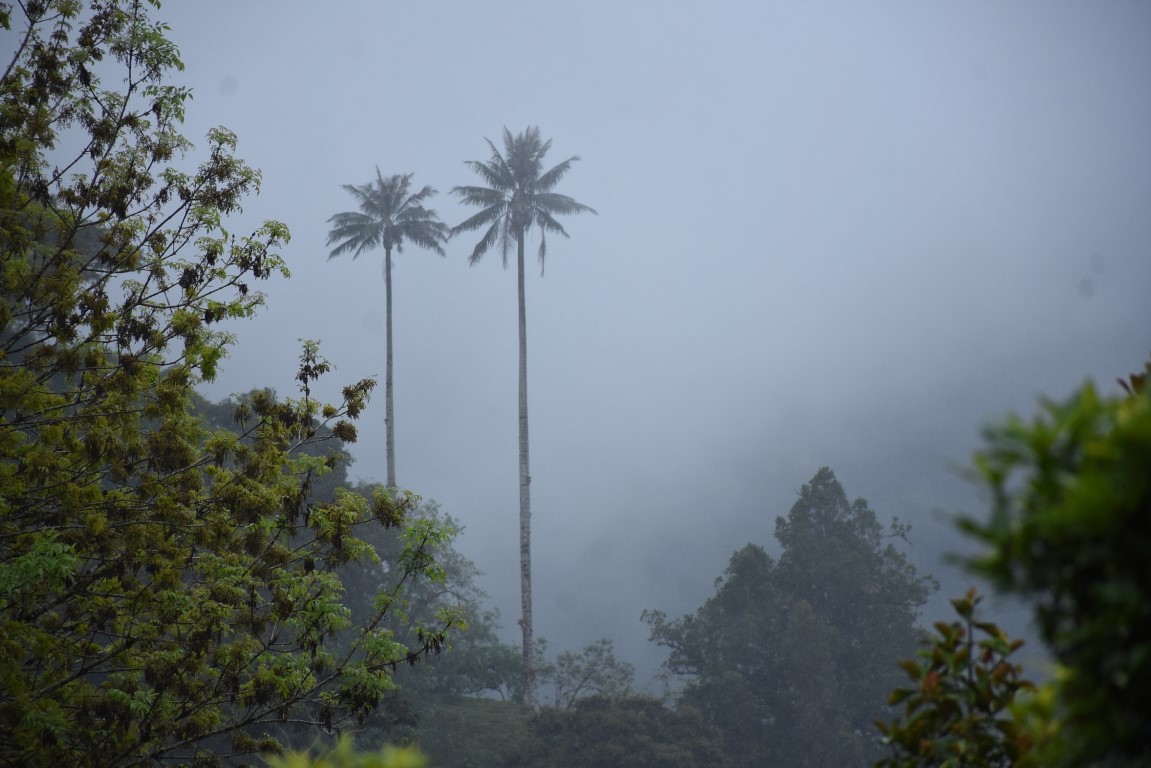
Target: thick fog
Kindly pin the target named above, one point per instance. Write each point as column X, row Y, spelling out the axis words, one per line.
column 843, row 234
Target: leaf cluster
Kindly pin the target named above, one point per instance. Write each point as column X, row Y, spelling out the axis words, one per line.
column 1070, row 529
column 963, row 707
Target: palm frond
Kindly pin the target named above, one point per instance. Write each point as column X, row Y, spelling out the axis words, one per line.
column 480, row 196
column 414, row 214
column 427, row 234
column 352, row 232
column 346, row 220
column 485, row 244
column 543, row 253
column 498, row 163
column 553, row 202
column 496, row 176
column 521, row 159
column 510, row 142
column 486, row 216
column 415, row 201
column 548, row 224
column 398, row 183
column 362, row 194
column 548, row 180
column 506, row 239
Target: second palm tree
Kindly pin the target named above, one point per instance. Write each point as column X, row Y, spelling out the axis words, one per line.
column 390, row 214
column 519, row 196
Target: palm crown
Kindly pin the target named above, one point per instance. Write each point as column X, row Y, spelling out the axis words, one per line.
column 389, row 215
column 518, row 195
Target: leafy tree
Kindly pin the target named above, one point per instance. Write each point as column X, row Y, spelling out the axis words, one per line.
column 324, row 445
column 167, row 592
column 457, row 705
column 1070, row 528
column 791, row 659
column 475, row 662
column 594, row 671
column 518, row 197
column 962, row 708
column 390, row 214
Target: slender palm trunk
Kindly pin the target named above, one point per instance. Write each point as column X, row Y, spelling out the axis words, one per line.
column 525, row 488
column 391, row 432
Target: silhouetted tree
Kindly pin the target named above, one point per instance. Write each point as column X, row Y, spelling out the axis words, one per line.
column 792, row 659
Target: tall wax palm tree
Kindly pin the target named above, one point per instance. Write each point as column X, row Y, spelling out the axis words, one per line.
column 519, row 196
column 390, row 214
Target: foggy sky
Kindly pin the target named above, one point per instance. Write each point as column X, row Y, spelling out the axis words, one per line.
column 843, row 234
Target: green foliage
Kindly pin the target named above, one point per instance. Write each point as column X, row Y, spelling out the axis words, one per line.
column 962, row 708
column 168, row 592
column 344, row 755
column 472, row 732
column 1070, row 528
column 450, row 595
column 434, row 705
column 447, row 704
column 329, row 461
column 792, row 659
column 477, row 663
column 630, row 732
